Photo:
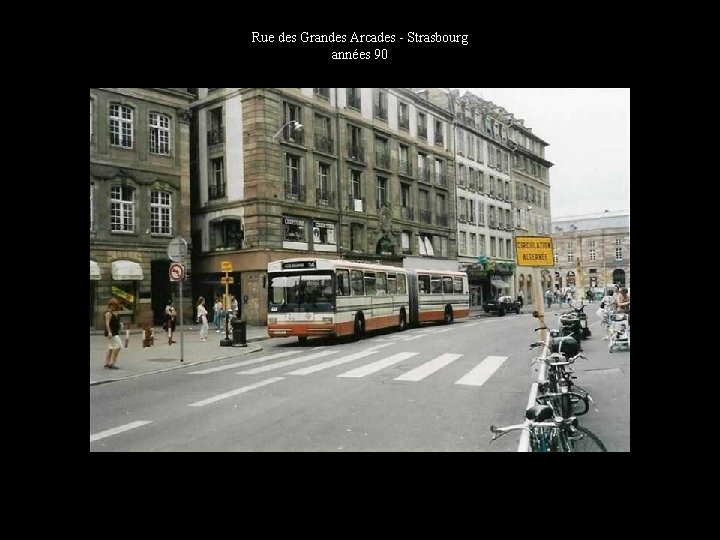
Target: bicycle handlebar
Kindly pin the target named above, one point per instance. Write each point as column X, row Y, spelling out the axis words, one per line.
column 527, row 426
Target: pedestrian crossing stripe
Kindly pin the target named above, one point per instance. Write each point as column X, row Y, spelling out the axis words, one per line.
column 483, row 371
column 244, row 363
column 286, row 363
column 428, row 368
column 332, row 363
column 377, row 366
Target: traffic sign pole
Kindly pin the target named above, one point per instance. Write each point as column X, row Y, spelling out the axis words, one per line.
column 177, row 251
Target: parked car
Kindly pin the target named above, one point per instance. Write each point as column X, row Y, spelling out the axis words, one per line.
column 502, row 305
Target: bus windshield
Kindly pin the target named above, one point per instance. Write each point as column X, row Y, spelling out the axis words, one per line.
column 301, row 291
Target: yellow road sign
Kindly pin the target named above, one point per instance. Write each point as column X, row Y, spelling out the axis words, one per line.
column 534, row 251
column 226, row 266
column 227, row 280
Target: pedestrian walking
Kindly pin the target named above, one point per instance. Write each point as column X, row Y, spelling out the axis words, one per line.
column 520, row 298
column 112, row 331
column 549, row 297
column 169, row 324
column 233, row 306
column 202, row 319
column 218, row 314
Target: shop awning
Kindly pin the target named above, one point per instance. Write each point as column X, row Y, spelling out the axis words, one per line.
column 499, row 283
column 94, row 270
column 124, row 270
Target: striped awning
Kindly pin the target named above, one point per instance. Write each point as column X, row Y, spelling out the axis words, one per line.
column 126, row 270
column 94, row 270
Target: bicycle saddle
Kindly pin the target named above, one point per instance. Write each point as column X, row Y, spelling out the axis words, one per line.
column 539, row 413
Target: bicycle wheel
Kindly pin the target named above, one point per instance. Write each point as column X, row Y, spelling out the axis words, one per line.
column 587, row 441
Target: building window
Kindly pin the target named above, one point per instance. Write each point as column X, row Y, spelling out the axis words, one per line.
column 295, row 229
column 92, row 211
column 323, row 233
column 405, row 241
column 405, row 167
column 570, row 252
column 323, row 140
column 382, row 185
column 356, row 184
column 355, row 146
column 322, row 92
column 215, row 133
column 403, row 115
column 438, row 132
column 462, row 243
column 473, row 244
column 481, row 213
column 481, row 245
column 121, row 126
column 159, row 134
column 422, row 125
column 460, row 142
column 382, row 154
column 380, row 109
column 292, row 113
column 356, row 237
column 91, row 120
column 508, row 248
column 227, row 235
column 122, row 209
column 618, row 253
column 353, row 98
column 293, row 187
column 216, row 187
column 323, row 187
column 441, row 210
column 160, row 212
column 592, row 255
column 493, row 247
column 471, row 210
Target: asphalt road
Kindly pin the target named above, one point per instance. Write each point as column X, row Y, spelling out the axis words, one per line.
column 434, row 388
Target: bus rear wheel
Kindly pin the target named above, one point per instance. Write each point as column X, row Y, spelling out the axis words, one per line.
column 359, row 328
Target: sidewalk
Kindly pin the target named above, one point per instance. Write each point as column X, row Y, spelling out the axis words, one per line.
column 136, row 360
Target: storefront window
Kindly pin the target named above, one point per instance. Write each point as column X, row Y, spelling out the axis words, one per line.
column 126, row 294
column 295, row 230
column 323, row 232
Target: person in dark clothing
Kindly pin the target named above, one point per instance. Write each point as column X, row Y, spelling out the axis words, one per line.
column 112, row 331
column 169, row 325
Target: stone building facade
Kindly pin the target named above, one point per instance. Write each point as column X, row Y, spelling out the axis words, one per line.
column 139, row 197
column 591, row 250
column 357, row 173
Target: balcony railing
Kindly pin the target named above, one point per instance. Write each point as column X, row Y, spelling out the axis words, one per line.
column 382, row 160
column 403, row 122
column 424, row 175
column 425, row 215
column 380, row 111
column 438, row 138
column 216, row 191
column 324, row 197
column 356, row 204
column 405, row 168
column 353, row 101
column 215, row 136
column 406, row 212
column 356, row 153
column 293, row 135
column 295, row 192
column 422, row 132
column 441, row 179
column 323, row 143
column 442, row 219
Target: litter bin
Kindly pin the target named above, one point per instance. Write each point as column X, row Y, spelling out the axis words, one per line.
column 239, row 332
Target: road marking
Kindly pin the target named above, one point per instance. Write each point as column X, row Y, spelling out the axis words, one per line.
column 377, row 366
column 491, row 321
column 244, row 363
column 428, row 368
column 235, row 392
column 414, row 337
column 292, row 362
column 482, row 372
column 338, row 362
column 446, row 330
column 119, row 429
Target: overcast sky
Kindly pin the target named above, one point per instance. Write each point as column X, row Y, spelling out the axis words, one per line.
column 588, row 131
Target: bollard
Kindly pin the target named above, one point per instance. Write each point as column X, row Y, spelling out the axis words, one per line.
column 148, row 335
column 127, row 337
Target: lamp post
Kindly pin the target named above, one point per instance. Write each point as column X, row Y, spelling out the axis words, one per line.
column 292, row 123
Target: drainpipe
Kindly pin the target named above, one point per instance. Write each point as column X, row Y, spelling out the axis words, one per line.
column 337, row 174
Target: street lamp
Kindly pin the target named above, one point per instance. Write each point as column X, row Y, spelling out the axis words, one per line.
column 292, row 123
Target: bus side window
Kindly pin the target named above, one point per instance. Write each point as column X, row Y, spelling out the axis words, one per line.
column 447, row 283
column 424, row 284
column 380, row 283
column 436, row 285
column 458, row 285
column 370, row 283
column 401, row 284
column 343, row 283
column 392, row 284
column 356, row 283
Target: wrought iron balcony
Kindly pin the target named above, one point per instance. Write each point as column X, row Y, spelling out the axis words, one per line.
column 405, row 168
column 293, row 135
column 441, row 179
column 323, row 143
column 215, row 136
column 424, row 175
column 295, row 192
column 382, row 160
column 425, row 215
column 324, row 197
column 407, row 212
column 403, row 122
column 356, row 153
column 216, row 191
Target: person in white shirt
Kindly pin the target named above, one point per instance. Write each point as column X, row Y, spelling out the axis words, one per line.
column 202, row 319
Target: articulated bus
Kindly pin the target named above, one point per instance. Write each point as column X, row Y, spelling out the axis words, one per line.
column 322, row 297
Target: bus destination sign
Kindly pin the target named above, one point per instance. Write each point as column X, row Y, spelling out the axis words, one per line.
column 298, row 264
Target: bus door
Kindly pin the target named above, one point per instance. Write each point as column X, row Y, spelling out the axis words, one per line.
column 412, row 286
